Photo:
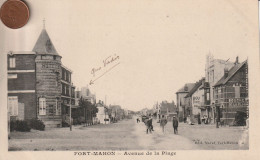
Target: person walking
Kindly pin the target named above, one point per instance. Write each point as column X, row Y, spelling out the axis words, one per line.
column 199, row 121
column 163, row 122
column 151, row 123
column 148, row 126
column 175, row 124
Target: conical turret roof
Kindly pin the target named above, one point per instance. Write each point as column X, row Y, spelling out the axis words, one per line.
column 44, row 45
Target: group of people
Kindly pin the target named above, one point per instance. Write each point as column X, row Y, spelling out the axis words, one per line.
column 175, row 124
column 149, row 125
column 163, row 121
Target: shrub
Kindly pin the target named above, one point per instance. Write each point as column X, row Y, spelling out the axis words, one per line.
column 37, row 124
column 76, row 121
column 13, row 125
column 65, row 124
column 20, row 125
column 240, row 118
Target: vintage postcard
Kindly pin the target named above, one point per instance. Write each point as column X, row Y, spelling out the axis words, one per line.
column 118, row 79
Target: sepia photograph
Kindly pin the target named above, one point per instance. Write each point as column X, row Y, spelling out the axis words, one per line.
column 128, row 78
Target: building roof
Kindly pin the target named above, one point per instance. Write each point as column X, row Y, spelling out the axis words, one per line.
column 186, row 88
column 20, row 52
column 44, row 45
column 231, row 73
column 165, row 106
column 66, row 68
column 196, row 86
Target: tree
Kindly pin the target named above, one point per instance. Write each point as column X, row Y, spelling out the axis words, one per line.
column 90, row 110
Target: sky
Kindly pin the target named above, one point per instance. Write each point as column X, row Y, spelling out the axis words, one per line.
column 161, row 44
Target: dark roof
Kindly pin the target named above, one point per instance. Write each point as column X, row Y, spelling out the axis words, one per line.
column 44, row 45
column 196, row 86
column 231, row 73
column 189, row 87
column 170, row 106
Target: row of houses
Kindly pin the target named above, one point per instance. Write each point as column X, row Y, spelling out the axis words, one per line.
column 40, row 86
column 218, row 96
column 163, row 109
column 112, row 113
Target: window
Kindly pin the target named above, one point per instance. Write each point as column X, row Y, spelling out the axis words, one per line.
column 57, row 107
column 68, row 75
column 42, row 106
column 61, row 73
column 12, row 62
column 65, row 89
column 68, row 90
column 237, row 92
column 12, row 76
column 213, row 78
column 65, row 76
column 13, row 105
column 207, row 96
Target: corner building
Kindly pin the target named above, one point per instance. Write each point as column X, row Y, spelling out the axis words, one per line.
column 41, row 90
column 231, row 93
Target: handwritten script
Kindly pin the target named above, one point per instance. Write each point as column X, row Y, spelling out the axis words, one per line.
column 107, row 64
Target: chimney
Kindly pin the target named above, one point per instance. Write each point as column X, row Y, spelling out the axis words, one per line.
column 236, row 60
column 225, row 72
column 185, row 87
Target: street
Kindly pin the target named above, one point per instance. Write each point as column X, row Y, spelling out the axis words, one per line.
column 129, row 135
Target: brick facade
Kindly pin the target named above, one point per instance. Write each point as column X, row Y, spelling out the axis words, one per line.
column 231, row 93
column 24, row 81
column 24, row 61
column 39, row 75
column 29, row 101
column 48, row 83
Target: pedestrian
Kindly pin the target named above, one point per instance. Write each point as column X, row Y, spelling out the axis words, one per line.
column 137, row 120
column 147, row 124
column 151, row 123
column 188, row 120
column 175, row 124
column 163, row 122
column 199, row 122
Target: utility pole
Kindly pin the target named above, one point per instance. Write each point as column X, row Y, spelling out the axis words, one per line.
column 105, row 100
column 9, row 123
column 70, row 106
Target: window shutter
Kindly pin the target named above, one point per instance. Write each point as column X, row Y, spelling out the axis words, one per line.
column 237, row 92
column 42, row 106
column 10, row 105
column 13, row 106
column 13, row 62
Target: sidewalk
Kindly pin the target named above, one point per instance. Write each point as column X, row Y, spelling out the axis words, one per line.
column 215, row 138
column 116, row 136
